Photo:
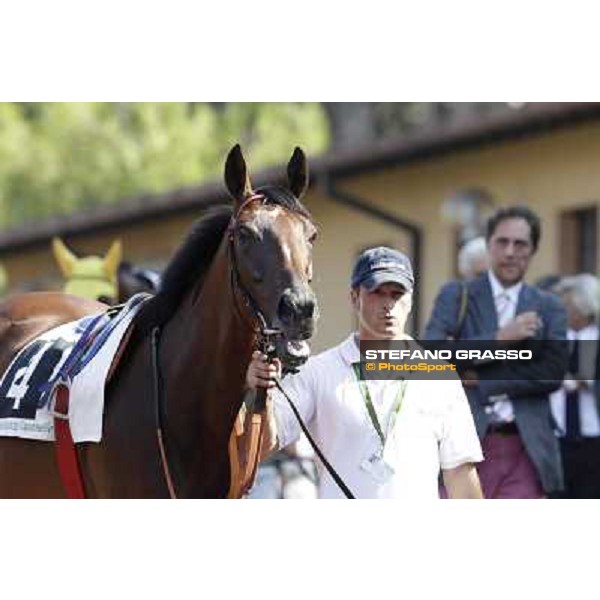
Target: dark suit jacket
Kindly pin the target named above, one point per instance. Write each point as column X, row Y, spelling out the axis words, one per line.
column 597, row 378
column 527, row 385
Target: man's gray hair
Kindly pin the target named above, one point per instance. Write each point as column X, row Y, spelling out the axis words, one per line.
column 470, row 254
column 584, row 291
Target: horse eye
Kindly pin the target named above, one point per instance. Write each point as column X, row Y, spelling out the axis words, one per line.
column 246, row 235
column 312, row 239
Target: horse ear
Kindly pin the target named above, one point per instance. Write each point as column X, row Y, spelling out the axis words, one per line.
column 297, row 172
column 64, row 257
column 236, row 175
column 112, row 260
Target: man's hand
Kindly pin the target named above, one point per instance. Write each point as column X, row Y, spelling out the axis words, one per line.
column 260, row 373
column 522, row 327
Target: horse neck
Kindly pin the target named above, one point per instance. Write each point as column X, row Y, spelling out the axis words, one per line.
column 206, row 348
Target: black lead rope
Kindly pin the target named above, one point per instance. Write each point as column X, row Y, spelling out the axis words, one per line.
column 349, row 495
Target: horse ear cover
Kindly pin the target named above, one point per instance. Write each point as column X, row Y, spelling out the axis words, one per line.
column 64, row 257
column 113, row 259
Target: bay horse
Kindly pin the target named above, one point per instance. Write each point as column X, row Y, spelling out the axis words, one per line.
column 243, row 269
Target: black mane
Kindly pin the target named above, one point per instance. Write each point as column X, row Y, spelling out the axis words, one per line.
column 192, row 260
column 194, row 257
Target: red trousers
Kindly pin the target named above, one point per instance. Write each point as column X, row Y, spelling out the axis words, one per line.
column 507, row 471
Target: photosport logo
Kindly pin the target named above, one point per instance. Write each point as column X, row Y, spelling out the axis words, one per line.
column 421, row 366
column 409, row 359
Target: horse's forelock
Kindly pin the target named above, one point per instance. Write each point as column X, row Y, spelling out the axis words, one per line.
column 281, row 196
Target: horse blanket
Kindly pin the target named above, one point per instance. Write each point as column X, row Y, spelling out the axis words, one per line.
column 79, row 354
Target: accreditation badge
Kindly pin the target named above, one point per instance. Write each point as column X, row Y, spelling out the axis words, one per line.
column 377, row 468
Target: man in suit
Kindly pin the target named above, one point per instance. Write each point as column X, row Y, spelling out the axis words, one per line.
column 576, row 405
column 510, row 403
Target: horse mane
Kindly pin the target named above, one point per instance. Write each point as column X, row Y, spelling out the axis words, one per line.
column 194, row 257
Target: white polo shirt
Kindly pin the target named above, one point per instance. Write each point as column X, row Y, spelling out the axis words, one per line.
column 434, row 427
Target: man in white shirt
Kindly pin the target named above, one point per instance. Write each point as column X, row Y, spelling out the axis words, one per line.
column 575, row 406
column 386, row 439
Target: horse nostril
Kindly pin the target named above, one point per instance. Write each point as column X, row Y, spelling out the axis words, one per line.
column 287, row 308
column 307, row 309
column 295, row 308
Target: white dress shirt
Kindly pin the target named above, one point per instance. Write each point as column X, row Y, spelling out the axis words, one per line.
column 505, row 299
column 588, row 411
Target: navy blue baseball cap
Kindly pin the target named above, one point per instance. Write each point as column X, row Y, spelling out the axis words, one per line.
column 380, row 265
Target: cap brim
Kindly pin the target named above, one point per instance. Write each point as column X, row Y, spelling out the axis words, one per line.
column 376, row 279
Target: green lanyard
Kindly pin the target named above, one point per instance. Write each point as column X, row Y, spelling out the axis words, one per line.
column 364, row 390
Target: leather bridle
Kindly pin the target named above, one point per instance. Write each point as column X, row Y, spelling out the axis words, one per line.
column 258, row 322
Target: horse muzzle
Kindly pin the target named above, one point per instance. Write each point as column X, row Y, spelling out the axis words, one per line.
column 297, row 314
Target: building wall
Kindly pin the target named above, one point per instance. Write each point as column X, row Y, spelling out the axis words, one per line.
column 550, row 173
column 149, row 244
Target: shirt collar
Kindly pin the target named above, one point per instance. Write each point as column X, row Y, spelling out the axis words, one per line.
column 498, row 288
column 349, row 350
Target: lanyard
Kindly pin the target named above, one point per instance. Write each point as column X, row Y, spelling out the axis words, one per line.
column 364, row 390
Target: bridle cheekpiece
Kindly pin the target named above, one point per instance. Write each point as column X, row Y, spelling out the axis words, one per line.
column 264, row 333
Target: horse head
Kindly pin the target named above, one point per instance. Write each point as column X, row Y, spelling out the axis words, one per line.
column 91, row 277
column 270, row 239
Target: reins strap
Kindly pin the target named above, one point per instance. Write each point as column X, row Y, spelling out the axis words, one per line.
column 326, row 464
column 158, row 415
column 66, row 453
column 165, row 465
